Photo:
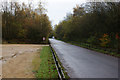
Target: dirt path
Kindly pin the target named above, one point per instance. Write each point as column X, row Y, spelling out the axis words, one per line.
column 19, row 65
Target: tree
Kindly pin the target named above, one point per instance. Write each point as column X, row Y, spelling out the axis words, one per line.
column 22, row 23
column 89, row 22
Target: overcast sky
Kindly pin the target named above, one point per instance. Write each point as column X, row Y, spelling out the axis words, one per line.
column 57, row 9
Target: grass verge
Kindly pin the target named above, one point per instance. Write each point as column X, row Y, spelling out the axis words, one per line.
column 47, row 68
column 94, row 48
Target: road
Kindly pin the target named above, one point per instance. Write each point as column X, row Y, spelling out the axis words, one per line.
column 83, row 63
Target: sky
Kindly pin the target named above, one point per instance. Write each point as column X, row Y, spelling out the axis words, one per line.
column 56, row 9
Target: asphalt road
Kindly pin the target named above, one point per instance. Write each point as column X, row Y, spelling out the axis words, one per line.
column 83, row 63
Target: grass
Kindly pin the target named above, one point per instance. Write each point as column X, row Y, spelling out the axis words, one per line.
column 36, row 62
column 84, row 45
column 47, row 68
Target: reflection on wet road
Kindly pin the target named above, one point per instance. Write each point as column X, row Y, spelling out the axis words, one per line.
column 83, row 63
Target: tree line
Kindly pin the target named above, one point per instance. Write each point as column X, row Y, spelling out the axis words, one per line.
column 23, row 23
column 96, row 23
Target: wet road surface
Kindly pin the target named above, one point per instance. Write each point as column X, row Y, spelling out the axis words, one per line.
column 83, row 63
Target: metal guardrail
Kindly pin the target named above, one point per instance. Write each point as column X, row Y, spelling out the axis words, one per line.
column 98, row 47
column 60, row 72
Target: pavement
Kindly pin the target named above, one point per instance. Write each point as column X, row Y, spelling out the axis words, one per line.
column 83, row 63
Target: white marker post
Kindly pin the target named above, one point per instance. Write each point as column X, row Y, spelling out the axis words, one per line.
column 43, row 38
